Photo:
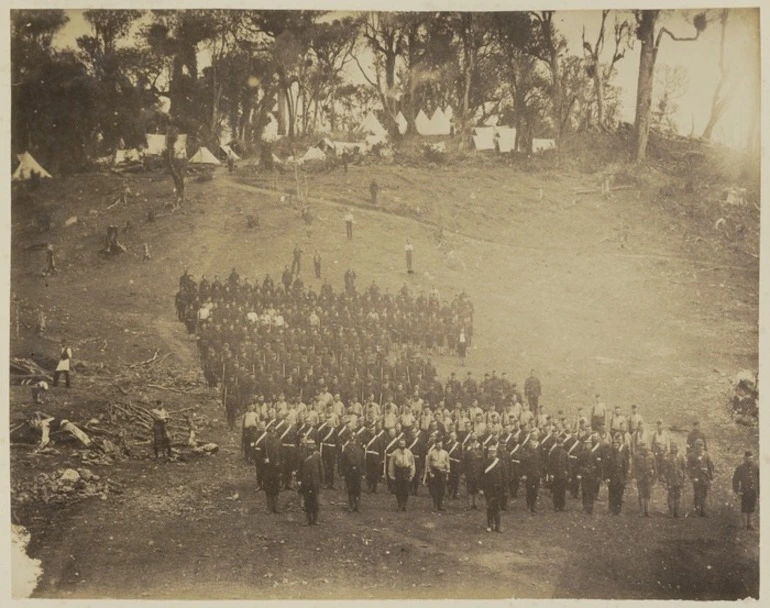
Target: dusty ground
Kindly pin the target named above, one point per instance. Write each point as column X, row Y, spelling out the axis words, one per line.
column 657, row 323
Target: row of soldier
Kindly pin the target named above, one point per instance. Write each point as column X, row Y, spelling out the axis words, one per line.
column 540, row 452
column 236, row 308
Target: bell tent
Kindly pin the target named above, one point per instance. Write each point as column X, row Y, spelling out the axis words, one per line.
column 27, row 166
column 203, row 157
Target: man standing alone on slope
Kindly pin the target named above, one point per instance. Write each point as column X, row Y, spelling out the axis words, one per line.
column 532, row 390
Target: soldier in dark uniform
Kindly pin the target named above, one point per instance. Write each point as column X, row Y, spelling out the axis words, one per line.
column 531, row 471
column 353, row 464
column 701, row 471
column 290, row 453
column 522, row 439
column 616, row 472
column 573, row 446
column 271, row 477
column 558, row 471
column 675, row 474
column 327, row 434
column 646, row 474
column 492, row 483
column 311, row 472
column 258, row 453
column 746, row 485
column 373, row 451
column 588, row 470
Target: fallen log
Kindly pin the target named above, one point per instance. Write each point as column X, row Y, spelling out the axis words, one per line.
column 166, row 388
column 150, row 360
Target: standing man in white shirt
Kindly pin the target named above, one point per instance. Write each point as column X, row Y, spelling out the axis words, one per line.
column 64, row 365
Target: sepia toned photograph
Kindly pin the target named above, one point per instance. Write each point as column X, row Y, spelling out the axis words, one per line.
column 384, row 305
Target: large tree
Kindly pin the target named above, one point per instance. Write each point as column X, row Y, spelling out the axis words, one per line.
column 651, row 36
column 722, row 98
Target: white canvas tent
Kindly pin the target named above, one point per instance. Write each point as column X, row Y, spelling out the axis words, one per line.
column 484, row 138
column 27, row 166
column 538, row 145
column 403, row 125
column 270, row 132
column 156, row 143
column 439, row 123
column 506, row 139
column 229, row 152
column 340, row 147
column 203, row 157
column 133, row 155
column 313, row 153
column 370, row 125
column 422, row 123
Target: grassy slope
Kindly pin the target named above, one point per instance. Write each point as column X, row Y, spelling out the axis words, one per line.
column 663, row 323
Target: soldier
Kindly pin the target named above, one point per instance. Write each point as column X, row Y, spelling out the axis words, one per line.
column 694, row 435
column 616, row 473
column 746, row 485
column 311, row 472
column 573, row 446
column 646, row 473
column 588, row 474
column 659, row 442
column 349, row 223
column 492, row 483
column 674, row 473
column 286, row 278
column 401, row 471
column 317, row 264
column 409, row 250
column 598, row 413
column 418, row 448
column 558, row 470
column 258, row 453
column 437, row 470
column 296, row 260
column 455, row 453
column 64, row 365
column 700, row 470
column 289, row 441
column 161, row 441
column 531, row 471
column 473, row 466
column 390, row 441
column 271, row 476
column 328, row 437
column 532, row 390
column 249, row 432
column 373, row 452
column 353, row 465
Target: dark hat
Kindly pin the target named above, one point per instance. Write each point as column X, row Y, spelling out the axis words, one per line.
column 748, row 453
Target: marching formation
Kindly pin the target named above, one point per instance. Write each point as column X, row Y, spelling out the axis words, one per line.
column 273, row 341
column 333, row 385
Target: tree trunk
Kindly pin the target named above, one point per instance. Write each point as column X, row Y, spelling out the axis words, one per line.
column 647, row 58
column 599, row 86
column 719, row 102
